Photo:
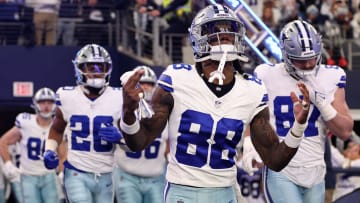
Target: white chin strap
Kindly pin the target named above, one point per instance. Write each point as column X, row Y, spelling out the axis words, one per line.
column 96, row 82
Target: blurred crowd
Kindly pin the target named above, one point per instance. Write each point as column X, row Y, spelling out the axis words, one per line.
column 336, row 20
column 64, row 22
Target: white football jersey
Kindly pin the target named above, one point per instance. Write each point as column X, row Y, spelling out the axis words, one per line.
column 250, row 186
column 204, row 130
column 32, row 143
column 149, row 162
column 84, row 117
column 307, row 167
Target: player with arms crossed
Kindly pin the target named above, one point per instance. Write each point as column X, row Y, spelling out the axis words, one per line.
column 139, row 176
column 91, row 114
column 207, row 107
column 38, row 184
column 302, row 180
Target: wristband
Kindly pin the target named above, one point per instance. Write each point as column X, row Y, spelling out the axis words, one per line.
column 295, row 135
column 327, row 111
column 51, row 144
column 292, row 141
column 298, row 129
column 130, row 129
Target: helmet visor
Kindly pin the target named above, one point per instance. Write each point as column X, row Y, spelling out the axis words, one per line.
column 96, row 68
column 304, row 64
column 220, row 26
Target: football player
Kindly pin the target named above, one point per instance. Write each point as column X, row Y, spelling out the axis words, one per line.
column 139, row 176
column 302, row 180
column 38, row 184
column 207, row 107
column 90, row 113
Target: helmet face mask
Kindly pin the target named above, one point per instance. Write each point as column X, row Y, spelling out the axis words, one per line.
column 95, row 74
column 44, row 102
column 302, row 66
column 300, row 44
column 215, row 30
column 93, row 66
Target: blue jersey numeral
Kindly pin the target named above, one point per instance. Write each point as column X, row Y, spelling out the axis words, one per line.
column 250, row 187
column 80, row 138
column 284, row 116
column 151, row 152
column 35, row 148
column 196, row 141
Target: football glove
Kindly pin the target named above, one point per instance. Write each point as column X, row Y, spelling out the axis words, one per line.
column 51, row 159
column 11, row 172
column 110, row 134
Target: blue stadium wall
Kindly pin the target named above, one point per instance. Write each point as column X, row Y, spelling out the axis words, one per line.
column 46, row 66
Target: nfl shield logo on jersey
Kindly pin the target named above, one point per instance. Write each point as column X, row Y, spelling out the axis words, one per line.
column 217, row 103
